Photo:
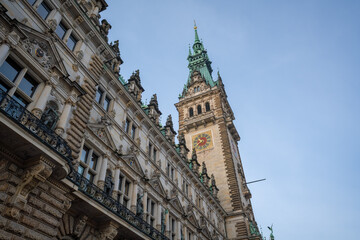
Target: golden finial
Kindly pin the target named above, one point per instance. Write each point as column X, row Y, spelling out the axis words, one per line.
column 195, row 27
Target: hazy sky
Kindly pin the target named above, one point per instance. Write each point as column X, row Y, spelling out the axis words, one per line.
column 291, row 71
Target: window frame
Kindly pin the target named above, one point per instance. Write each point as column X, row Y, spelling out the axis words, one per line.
column 124, row 189
column 89, row 168
column 45, row 5
column 13, row 86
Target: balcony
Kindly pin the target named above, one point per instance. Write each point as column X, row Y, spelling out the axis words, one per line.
column 18, row 141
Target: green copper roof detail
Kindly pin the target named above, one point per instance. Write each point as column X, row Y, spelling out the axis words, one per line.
column 122, row 80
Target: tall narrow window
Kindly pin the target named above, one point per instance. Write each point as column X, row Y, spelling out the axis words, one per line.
column 207, row 106
column 99, row 94
column 127, row 125
column 61, row 30
column 44, row 10
column 199, row 109
column 133, row 131
column 150, row 149
column 106, row 103
column 154, row 155
column 71, row 42
column 191, row 112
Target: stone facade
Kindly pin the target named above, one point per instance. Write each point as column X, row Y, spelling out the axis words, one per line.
column 83, row 157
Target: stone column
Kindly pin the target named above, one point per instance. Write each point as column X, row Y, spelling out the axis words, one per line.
column 102, row 175
column 134, row 197
column 185, row 232
column 116, row 183
column 63, row 117
column 178, row 230
column 158, row 217
column 167, row 222
column 41, row 102
column 4, row 52
column 145, row 198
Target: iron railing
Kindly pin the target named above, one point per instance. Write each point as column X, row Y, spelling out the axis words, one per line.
column 95, row 193
column 18, row 113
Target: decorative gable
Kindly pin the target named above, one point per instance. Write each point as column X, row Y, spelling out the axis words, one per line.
column 132, row 161
column 175, row 202
column 101, row 131
column 192, row 219
column 156, row 184
column 42, row 48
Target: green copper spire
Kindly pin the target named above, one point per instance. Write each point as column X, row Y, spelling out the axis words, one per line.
column 199, row 61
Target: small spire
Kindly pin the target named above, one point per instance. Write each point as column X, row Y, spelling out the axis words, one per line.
column 189, row 50
column 196, row 34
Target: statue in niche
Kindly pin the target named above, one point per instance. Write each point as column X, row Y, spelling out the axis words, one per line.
column 109, row 184
column 139, row 205
column 50, row 117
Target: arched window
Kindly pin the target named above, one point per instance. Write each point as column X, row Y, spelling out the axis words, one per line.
column 191, row 112
column 199, row 109
column 207, row 106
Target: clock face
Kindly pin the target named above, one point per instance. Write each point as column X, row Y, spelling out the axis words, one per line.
column 202, row 141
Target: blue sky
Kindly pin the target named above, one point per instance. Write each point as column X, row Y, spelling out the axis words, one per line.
column 291, row 71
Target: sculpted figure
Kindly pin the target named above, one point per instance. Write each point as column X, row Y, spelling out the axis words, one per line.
column 109, row 184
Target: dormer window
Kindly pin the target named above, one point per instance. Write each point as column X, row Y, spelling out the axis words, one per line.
column 207, row 106
column 199, row 110
column 191, row 112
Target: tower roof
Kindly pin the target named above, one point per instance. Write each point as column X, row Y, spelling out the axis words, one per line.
column 199, row 61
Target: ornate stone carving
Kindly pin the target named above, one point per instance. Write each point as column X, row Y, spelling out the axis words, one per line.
column 39, row 51
column 38, row 172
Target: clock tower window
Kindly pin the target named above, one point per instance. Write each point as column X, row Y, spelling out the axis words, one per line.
column 191, row 112
column 199, row 109
column 207, row 106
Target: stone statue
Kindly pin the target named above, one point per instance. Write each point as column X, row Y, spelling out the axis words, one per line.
column 169, row 121
column 182, row 139
column 50, row 118
column 163, row 226
column 213, row 180
column 271, row 232
column 204, row 170
column 109, row 184
column 253, row 230
column 139, row 205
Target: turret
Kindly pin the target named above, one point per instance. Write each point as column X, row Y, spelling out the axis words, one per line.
column 153, row 110
column 134, row 86
column 169, row 130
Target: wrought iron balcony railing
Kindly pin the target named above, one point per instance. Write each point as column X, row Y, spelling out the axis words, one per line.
column 95, row 193
column 18, row 113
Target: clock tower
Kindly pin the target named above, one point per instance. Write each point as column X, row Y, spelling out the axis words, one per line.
column 206, row 121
